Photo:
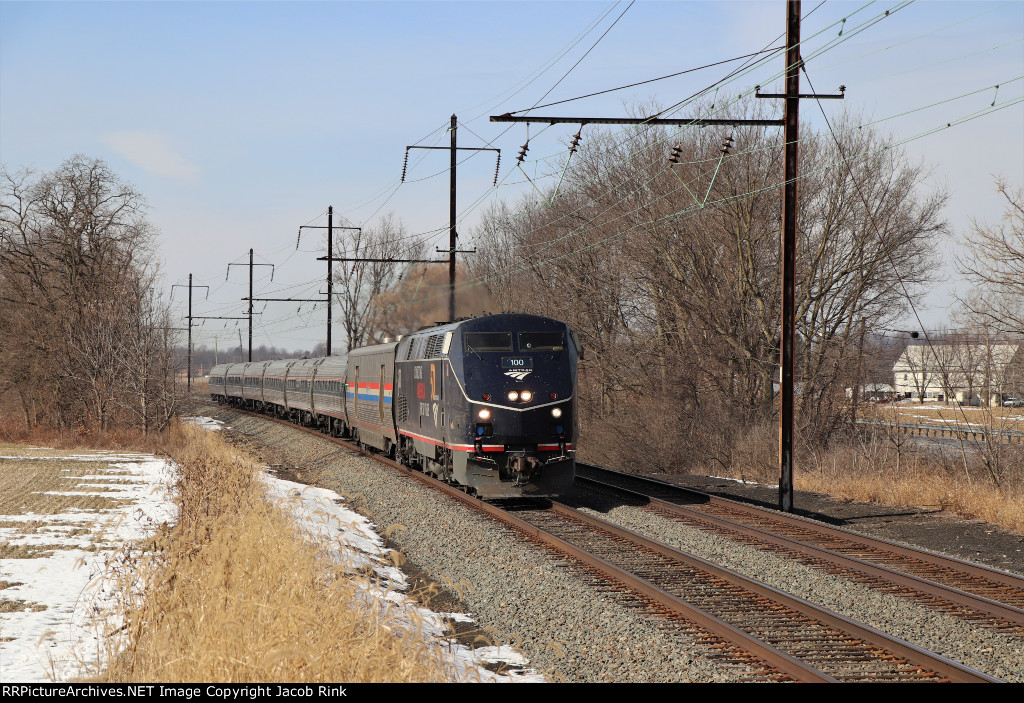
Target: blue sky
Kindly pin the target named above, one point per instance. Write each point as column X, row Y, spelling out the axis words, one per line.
column 241, row 121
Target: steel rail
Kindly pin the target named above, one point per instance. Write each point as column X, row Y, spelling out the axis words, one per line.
column 780, row 661
column 919, row 656
column 955, row 596
column 970, row 568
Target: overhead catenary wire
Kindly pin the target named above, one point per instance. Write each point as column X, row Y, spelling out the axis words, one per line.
column 525, row 266
column 438, row 173
column 735, row 73
column 958, row 120
column 472, row 155
column 650, row 80
column 442, row 128
column 945, row 124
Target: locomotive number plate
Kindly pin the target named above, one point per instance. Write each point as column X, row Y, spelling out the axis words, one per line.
column 516, row 362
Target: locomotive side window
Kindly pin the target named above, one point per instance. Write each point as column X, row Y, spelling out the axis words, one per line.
column 488, row 341
column 541, row 341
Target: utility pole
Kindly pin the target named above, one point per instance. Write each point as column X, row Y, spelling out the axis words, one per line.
column 792, row 116
column 331, row 258
column 452, row 234
column 330, row 261
column 330, row 272
column 250, row 304
column 787, row 364
column 251, row 264
column 178, row 285
column 189, row 383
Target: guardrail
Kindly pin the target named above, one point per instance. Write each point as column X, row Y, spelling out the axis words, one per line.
column 964, row 432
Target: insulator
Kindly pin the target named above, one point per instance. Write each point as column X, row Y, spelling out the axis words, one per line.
column 522, row 152
column 497, row 167
column 405, row 163
column 676, row 151
column 575, row 142
column 727, row 144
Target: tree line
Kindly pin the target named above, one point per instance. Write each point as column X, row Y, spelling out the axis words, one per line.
column 87, row 343
column 670, row 274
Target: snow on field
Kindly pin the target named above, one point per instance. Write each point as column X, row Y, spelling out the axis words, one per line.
column 207, row 423
column 323, row 515
column 56, row 638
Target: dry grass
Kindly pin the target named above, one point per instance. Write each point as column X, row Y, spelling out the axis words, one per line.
column 47, row 487
column 888, row 468
column 36, row 485
column 14, row 430
column 235, row 594
column 923, row 413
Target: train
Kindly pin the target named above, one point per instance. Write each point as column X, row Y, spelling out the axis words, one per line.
column 488, row 403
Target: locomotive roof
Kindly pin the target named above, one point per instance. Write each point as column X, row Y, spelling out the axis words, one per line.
column 488, row 322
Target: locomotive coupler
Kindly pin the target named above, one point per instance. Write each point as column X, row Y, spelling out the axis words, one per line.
column 525, row 464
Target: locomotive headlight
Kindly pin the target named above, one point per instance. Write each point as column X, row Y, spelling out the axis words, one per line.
column 526, row 396
column 556, row 412
column 484, row 414
column 513, row 396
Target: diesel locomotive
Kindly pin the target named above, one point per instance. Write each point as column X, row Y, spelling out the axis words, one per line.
column 486, row 402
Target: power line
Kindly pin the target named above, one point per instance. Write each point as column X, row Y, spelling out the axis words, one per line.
column 650, row 80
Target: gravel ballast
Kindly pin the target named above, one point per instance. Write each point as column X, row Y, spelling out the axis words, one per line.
column 518, row 593
column 980, row 648
column 569, row 627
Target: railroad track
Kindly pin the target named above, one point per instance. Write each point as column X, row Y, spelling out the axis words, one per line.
column 983, row 595
column 740, row 623
column 830, row 646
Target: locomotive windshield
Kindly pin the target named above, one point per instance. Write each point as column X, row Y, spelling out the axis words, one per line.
column 541, row 341
column 488, row 341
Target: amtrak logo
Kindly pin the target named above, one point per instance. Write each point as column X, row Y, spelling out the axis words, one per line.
column 518, row 375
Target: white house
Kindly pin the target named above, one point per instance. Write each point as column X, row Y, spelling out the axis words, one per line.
column 971, row 372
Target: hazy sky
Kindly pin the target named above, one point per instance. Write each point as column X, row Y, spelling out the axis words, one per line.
column 241, row 121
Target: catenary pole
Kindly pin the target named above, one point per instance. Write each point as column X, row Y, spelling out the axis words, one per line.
column 189, row 384
column 330, row 271
column 789, row 211
column 452, row 234
column 451, row 228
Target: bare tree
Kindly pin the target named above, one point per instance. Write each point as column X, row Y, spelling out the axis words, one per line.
column 994, row 262
column 76, row 285
column 360, row 283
